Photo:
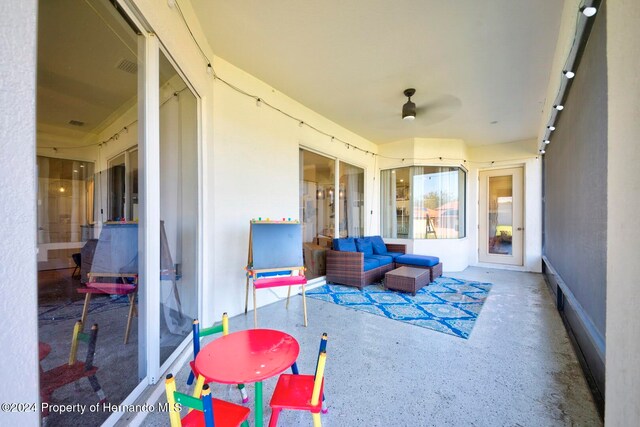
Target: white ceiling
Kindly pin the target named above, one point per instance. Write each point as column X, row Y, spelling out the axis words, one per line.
column 80, row 46
column 480, row 68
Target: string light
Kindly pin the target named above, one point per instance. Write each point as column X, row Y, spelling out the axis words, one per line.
column 579, row 38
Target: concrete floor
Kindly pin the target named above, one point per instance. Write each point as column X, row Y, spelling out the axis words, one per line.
column 518, row 367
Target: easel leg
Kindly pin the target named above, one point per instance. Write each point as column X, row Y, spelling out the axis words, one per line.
column 85, row 309
column 288, row 295
column 255, row 310
column 246, row 297
column 304, row 305
column 132, row 306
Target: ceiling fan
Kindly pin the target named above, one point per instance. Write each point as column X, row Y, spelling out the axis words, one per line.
column 446, row 103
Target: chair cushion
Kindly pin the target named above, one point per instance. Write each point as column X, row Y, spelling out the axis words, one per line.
column 345, row 245
column 364, row 245
column 382, row 259
column 379, row 248
column 370, row 263
column 421, row 260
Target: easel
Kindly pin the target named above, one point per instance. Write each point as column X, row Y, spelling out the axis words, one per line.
column 431, row 228
column 294, row 268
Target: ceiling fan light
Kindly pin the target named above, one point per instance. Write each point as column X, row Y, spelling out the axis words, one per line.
column 409, row 111
column 409, row 108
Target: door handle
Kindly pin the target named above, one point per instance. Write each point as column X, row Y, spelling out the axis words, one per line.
column 520, row 228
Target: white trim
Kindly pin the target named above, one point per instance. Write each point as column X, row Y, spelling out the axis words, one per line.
column 149, row 145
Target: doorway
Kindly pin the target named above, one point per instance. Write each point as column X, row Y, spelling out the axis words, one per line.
column 501, row 225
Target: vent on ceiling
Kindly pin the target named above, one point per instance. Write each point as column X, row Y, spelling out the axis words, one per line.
column 127, row 66
column 76, row 123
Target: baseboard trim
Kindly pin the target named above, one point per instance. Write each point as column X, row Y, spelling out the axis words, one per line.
column 588, row 342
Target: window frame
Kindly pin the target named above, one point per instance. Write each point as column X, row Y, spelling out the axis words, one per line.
column 462, row 201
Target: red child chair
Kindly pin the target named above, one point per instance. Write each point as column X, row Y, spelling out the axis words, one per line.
column 197, row 335
column 208, row 412
column 299, row 392
column 68, row 373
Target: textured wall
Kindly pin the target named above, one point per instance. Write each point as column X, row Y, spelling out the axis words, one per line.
column 623, row 231
column 575, row 180
column 18, row 305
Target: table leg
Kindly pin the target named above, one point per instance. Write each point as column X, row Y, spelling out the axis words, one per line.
column 258, row 404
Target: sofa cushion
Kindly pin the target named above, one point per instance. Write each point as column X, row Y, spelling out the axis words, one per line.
column 379, row 248
column 393, row 255
column 364, row 245
column 382, row 259
column 370, row 263
column 420, row 260
column 345, row 245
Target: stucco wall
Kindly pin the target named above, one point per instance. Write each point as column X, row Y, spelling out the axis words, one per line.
column 18, row 305
column 623, row 230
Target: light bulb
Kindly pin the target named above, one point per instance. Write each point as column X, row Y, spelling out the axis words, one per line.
column 559, row 107
column 588, row 11
column 569, row 74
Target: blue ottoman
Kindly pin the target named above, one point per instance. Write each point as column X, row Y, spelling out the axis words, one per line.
column 431, row 263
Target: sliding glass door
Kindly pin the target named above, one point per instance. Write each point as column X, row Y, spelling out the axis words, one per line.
column 178, row 209
column 331, row 198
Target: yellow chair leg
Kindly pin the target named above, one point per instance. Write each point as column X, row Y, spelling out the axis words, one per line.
column 316, row 420
column 174, row 414
column 197, row 389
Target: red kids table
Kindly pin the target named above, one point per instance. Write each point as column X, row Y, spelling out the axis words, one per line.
column 249, row 356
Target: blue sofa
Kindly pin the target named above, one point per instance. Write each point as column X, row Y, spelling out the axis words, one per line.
column 365, row 260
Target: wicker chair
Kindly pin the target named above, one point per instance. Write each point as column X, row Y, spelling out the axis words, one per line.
column 347, row 268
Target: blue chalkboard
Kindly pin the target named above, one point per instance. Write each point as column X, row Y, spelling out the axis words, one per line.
column 276, row 245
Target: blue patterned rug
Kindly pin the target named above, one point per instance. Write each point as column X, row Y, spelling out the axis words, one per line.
column 446, row 305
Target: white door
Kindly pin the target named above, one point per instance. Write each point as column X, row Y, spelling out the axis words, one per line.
column 501, row 224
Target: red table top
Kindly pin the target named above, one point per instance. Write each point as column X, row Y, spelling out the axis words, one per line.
column 247, row 356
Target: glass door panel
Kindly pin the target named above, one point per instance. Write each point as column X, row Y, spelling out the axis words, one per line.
column 178, row 209
column 317, row 209
column 500, row 215
column 351, row 199
column 90, row 262
column 501, row 219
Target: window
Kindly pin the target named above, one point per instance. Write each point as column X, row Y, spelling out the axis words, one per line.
column 423, row 202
